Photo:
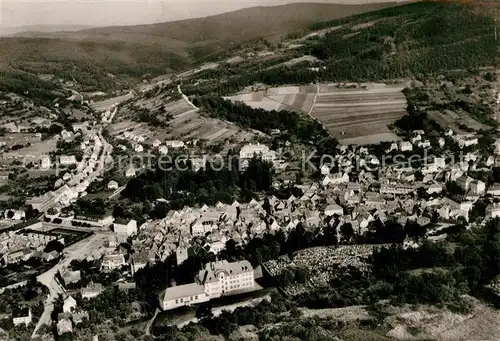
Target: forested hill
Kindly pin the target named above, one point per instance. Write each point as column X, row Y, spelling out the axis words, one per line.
column 404, row 41
column 407, row 40
column 104, row 59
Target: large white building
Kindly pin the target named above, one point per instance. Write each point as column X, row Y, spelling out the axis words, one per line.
column 112, row 262
column 257, row 150
column 217, row 279
column 125, row 227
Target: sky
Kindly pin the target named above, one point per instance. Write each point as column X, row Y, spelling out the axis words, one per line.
column 123, row 12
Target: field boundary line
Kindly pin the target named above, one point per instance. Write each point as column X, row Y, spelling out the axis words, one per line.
column 315, row 119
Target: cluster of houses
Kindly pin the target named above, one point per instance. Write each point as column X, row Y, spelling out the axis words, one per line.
column 74, row 183
column 26, row 243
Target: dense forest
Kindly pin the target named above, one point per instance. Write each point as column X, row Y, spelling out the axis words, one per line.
column 423, row 37
column 205, row 186
column 291, row 124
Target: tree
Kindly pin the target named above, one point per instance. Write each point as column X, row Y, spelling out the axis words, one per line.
column 478, row 211
column 347, row 231
column 51, row 211
column 414, row 230
column 204, row 311
column 54, row 245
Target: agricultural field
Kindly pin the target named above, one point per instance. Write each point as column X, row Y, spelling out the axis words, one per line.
column 360, row 115
column 354, row 114
column 293, row 98
column 182, row 122
column 108, row 103
column 34, row 151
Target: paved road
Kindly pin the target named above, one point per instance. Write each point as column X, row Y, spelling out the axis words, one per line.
column 79, row 250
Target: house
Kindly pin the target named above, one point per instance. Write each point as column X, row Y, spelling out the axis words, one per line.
column 21, row 316
column 79, row 316
column 216, row 279
column 64, row 324
column 69, row 277
column 69, row 304
column 183, row 295
column 497, row 147
column 478, row 187
column 493, row 210
column 67, row 160
column 333, row 209
column 79, row 126
column 424, row 144
column 125, row 227
column 163, row 150
column 16, row 214
column 139, row 148
column 182, row 251
column 325, row 170
column 464, row 182
column 494, row 190
column 50, row 255
column 251, row 151
column 405, row 146
column 11, row 127
column 92, row 290
column 223, row 278
column 126, row 286
column 198, row 163
column 67, row 136
column 174, row 144
column 112, row 262
column 113, row 185
column 130, row 172
column 45, row 162
column 466, row 140
column 334, row 179
column 139, row 260
column 434, row 188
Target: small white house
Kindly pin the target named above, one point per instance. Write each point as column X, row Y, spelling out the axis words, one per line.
column 434, row 188
column 405, row 146
column 67, row 160
column 174, row 144
column 333, row 209
column 113, row 185
column 45, row 162
column 163, row 150
column 69, row 304
column 325, row 170
column 130, row 172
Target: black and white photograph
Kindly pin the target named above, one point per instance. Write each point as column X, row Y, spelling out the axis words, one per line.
column 249, row 170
